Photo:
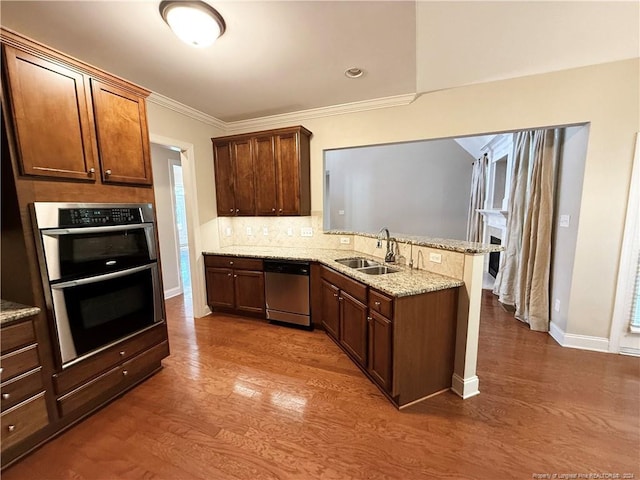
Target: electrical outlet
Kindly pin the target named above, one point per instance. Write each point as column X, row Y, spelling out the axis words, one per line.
column 227, row 232
column 565, row 220
column 556, row 305
column 435, row 257
column 345, row 240
column 340, row 212
column 265, row 231
column 290, row 232
column 306, row 232
column 249, row 231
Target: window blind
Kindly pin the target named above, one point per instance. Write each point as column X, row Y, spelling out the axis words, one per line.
column 634, row 326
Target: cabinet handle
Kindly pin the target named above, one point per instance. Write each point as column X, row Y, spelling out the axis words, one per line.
column 237, row 210
column 273, row 209
column 107, row 172
column 235, row 276
column 231, row 210
column 335, row 294
column 228, row 274
column 125, row 373
column 377, row 304
column 92, row 170
column 280, row 210
column 5, row 396
column 11, row 428
column 369, row 319
column 339, row 299
column 122, row 352
column 1, row 369
column 231, row 262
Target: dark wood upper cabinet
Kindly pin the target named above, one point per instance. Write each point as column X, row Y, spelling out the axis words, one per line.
column 122, row 134
column 244, row 182
column 270, row 173
column 50, row 117
column 267, row 184
column 224, row 178
column 70, row 120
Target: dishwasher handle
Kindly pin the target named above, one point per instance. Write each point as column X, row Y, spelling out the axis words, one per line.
column 287, row 267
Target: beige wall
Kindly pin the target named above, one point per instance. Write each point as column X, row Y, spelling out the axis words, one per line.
column 605, row 95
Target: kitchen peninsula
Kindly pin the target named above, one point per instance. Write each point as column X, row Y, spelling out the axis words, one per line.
column 408, row 330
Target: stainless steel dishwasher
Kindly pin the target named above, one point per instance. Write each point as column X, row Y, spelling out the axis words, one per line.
column 286, row 286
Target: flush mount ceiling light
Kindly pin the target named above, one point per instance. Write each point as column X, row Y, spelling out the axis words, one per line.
column 195, row 23
column 353, row 72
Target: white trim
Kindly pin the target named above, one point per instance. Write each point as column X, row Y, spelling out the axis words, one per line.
column 626, row 273
column 174, row 221
column 196, row 261
column 172, row 292
column 634, row 352
column 185, row 110
column 581, row 342
column 302, row 115
column 465, row 387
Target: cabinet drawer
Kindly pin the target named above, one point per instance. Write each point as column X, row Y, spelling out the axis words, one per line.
column 23, row 420
column 20, row 388
column 17, row 335
column 241, row 263
column 145, row 363
column 18, row 362
column 381, row 303
column 81, row 372
column 353, row 287
column 114, row 381
column 105, row 385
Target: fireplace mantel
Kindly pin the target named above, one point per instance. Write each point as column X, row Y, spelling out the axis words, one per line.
column 494, row 217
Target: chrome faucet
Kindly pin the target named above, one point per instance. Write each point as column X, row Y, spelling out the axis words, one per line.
column 389, row 256
column 410, row 254
column 418, row 259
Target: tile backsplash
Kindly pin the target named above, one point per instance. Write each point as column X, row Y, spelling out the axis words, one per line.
column 279, row 232
column 307, row 232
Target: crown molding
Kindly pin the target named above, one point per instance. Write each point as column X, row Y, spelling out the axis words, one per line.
column 293, row 118
column 183, row 109
column 296, row 118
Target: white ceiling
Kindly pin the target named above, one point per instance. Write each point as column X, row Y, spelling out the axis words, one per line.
column 285, row 56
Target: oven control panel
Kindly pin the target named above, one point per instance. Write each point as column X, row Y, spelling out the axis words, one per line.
column 77, row 217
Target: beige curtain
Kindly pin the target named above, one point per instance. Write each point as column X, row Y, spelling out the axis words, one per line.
column 476, row 199
column 523, row 278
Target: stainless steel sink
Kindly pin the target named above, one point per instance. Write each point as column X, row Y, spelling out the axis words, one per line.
column 378, row 270
column 357, row 262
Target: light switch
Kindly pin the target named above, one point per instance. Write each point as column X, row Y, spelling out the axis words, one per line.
column 265, row 231
column 340, row 212
column 435, row 257
column 227, row 231
column 290, row 232
column 249, row 231
column 345, row 240
column 565, row 220
column 306, row 232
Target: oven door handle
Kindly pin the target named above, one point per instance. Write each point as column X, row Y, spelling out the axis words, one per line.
column 101, row 278
column 106, row 228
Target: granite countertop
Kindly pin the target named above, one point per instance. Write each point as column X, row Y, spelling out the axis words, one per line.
column 10, row 311
column 404, row 283
column 441, row 243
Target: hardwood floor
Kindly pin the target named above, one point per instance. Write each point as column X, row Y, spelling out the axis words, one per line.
column 242, row 399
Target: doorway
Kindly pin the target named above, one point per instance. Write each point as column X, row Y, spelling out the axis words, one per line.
column 171, row 220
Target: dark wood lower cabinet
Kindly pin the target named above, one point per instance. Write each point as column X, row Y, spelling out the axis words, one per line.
column 380, row 349
column 235, row 284
column 353, row 327
column 330, row 309
column 405, row 345
column 249, row 291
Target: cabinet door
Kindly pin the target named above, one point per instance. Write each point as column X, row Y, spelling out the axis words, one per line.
column 330, row 308
column 353, row 327
column 288, row 169
column 224, row 179
column 265, row 168
column 249, row 291
column 220, row 287
column 123, row 137
column 244, row 183
column 380, row 346
column 50, row 116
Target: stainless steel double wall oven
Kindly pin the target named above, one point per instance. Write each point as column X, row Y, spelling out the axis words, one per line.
column 100, row 273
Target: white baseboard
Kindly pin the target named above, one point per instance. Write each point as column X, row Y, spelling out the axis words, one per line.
column 465, row 387
column 581, row 342
column 634, row 352
column 172, row 292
